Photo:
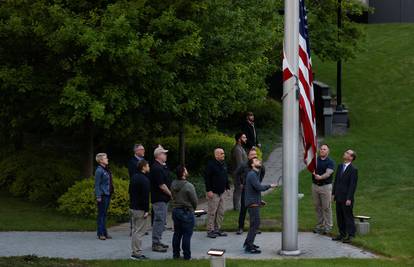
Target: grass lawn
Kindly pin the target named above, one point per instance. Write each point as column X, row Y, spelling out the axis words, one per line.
column 20, row 215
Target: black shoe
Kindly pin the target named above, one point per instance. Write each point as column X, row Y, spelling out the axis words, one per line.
column 138, row 257
column 253, row 250
column 253, row 246
column 239, row 232
column 258, row 232
column 211, row 234
column 338, row 238
column 164, row 245
column 220, row 233
column 176, row 257
column 347, row 240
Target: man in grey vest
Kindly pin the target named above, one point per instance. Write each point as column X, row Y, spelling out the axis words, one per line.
column 238, row 157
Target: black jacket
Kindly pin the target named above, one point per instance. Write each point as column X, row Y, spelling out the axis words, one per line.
column 139, row 190
column 251, row 134
column 243, row 170
column 345, row 183
column 133, row 166
column 216, row 177
column 159, row 175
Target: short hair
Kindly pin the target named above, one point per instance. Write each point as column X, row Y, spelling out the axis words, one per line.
column 137, row 146
column 179, row 171
column 238, row 136
column 100, row 156
column 324, row 145
column 249, row 113
column 141, row 164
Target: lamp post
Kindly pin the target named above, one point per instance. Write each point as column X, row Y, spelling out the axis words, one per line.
column 339, row 105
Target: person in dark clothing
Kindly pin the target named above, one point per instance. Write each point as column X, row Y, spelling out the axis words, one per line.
column 238, row 157
column 139, row 153
column 184, row 203
column 343, row 193
column 241, row 173
column 103, row 190
column 217, row 182
column 249, row 129
column 253, row 201
column 160, row 196
column 139, row 190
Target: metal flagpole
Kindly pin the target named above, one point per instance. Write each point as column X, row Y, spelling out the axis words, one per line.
column 291, row 133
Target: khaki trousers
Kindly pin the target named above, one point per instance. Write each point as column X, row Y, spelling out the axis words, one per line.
column 139, row 227
column 215, row 212
column 322, row 201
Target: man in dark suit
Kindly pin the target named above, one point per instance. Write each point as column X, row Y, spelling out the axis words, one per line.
column 139, row 153
column 343, row 193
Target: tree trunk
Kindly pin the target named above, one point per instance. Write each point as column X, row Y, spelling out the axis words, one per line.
column 181, row 142
column 88, row 150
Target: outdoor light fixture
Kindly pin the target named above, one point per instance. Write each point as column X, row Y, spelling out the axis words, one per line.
column 217, row 258
column 199, row 213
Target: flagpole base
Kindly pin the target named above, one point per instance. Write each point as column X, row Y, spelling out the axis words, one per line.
column 290, row 252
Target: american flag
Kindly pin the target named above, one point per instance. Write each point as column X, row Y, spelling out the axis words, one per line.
column 305, row 84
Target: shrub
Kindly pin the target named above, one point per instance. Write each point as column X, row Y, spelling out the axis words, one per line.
column 199, row 148
column 119, row 171
column 37, row 175
column 267, row 113
column 80, row 199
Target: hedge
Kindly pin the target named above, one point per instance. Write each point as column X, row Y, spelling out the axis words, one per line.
column 80, row 199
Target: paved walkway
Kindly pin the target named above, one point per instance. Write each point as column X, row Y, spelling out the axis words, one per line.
column 85, row 245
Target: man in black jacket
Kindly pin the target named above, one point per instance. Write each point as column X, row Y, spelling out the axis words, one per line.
column 139, row 190
column 217, row 182
column 249, row 129
column 343, row 193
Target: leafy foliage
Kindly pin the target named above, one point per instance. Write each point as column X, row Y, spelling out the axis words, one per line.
column 80, row 199
column 199, row 148
column 37, row 175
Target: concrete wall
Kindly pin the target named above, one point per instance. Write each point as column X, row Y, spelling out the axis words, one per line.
column 386, row 11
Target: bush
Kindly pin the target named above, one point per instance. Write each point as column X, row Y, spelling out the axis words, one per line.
column 37, row 175
column 119, row 171
column 80, row 199
column 199, row 148
column 268, row 113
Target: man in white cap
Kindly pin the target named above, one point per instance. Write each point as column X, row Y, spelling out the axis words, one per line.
column 160, row 196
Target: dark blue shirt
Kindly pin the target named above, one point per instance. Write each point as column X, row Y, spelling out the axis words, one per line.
column 322, row 165
column 139, row 192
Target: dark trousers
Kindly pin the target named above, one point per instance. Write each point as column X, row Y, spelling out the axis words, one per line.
column 242, row 212
column 345, row 219
column 183, row 230
column 254, row 214
column 102, row 213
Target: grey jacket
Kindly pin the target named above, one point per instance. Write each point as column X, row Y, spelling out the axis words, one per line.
column 238, row 157
column 183, row 195
column 253, row 189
